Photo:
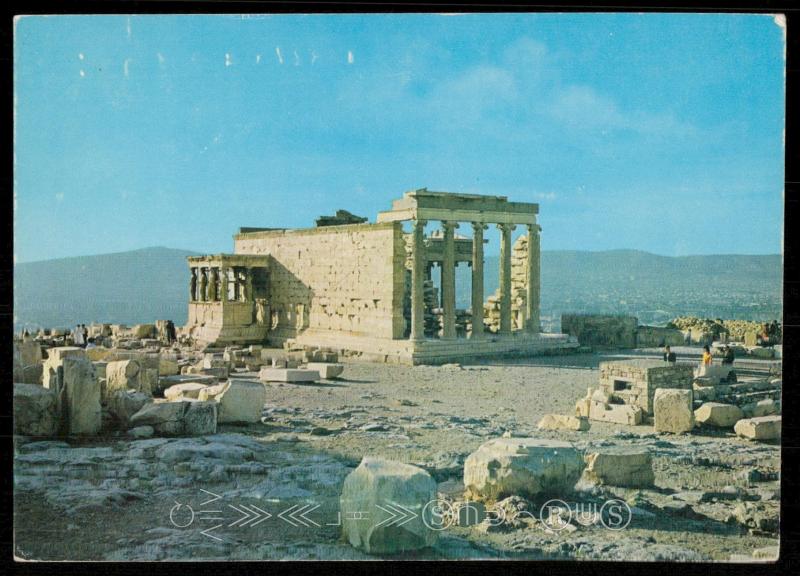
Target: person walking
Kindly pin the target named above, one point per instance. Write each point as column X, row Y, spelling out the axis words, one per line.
column 669, row 355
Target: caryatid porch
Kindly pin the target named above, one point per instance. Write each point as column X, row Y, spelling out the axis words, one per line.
column 478, row 212
column 228, row 298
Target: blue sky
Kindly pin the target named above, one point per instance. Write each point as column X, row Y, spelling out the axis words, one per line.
column 654, row 132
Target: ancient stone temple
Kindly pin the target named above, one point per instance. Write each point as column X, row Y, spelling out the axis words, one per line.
column 366, row 288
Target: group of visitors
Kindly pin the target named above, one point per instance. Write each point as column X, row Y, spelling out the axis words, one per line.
column 707, row 359
column 80, row 336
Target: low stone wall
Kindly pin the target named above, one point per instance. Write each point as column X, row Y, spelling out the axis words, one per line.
column 601, row 331
column 654, row 336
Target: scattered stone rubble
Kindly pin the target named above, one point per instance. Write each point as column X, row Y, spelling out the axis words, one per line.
column 145, row 387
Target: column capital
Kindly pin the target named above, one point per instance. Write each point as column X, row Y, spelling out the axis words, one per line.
column 534, row 228
column 449, row 224
column 506, row 226
column 418, row 223
column 479, row 226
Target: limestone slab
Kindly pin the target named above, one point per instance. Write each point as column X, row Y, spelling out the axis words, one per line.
column 673, row 411
column 291, row 375
column 393, row 497
column 760, row 428
column 527, row 467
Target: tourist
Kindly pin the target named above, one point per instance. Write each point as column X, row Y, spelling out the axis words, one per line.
column 669, row 355
column 85, row 334
column 77, row 336
column 707, row 358
column 728, row 356
column 90, row 343
column 170, row 332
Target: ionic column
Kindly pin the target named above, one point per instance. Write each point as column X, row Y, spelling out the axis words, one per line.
column 449, row 280
column 505, row 277
column 418, row 280
column 534, row 279
column 477, row 279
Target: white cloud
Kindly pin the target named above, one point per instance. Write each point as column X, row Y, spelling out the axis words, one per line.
column 296, row 58
column 258, row 58
column 350, row 57
column 125, row 66
column 280, row 56
column 161, row 58
column 228, row 60
column 80, row 56
column 128, row 27
column 313, row 56
column 82, row 73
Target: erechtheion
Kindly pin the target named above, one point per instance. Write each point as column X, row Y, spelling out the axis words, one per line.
column 366, row 288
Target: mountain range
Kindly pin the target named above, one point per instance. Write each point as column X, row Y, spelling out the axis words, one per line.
column 152, row 283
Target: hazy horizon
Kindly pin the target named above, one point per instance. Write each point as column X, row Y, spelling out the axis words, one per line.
column 162, row 247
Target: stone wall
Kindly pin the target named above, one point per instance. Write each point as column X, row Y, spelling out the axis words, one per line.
column 601, row 331
column 333, row 278
column 634, row 382
column 652, row 336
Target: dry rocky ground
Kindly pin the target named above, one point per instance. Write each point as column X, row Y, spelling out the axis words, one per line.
column 118, row 498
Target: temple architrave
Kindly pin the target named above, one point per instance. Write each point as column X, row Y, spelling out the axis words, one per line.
column 366, row 289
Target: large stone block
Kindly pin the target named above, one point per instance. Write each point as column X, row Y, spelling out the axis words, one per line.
column 123, row 404
column 718, row 414
column 82, row 396
column 528, row 467
column 615, row 413
column 288, row 375
column 185, row 417
column 239, row 400
column 55, row 358
column 618, row 466
column 126, row 375
column 35, row 410
column 394, row 496
column 673, row 410
column 186, row 390
column 760, row 428
column 764, row 407
column 563, row 422
column 327, row 370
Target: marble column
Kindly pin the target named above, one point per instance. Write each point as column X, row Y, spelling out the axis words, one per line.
column 477, row 279
column 418, row 280
column 505, row 277
column 533, row 303
column 449, row 280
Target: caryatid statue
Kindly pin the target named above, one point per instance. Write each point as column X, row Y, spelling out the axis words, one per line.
column 212, row 284
column 193, row 286
column 203, row 285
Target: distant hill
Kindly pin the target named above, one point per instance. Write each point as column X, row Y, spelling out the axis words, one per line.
column 653, row 288
column 126, row 288
column 152, row 283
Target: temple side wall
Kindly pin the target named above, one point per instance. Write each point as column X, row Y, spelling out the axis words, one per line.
column 334, row 278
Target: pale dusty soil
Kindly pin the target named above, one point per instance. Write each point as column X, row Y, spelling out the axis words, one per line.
column 110, row 498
